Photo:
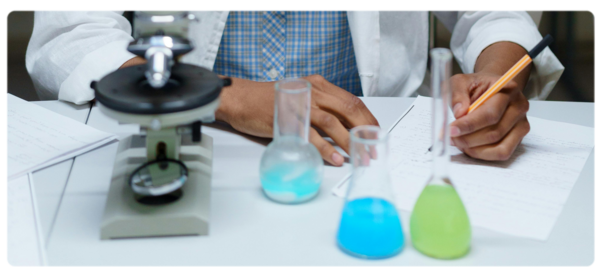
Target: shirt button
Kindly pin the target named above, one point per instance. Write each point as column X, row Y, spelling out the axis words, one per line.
column 273, row 73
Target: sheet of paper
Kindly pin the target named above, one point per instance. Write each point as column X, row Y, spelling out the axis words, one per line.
column 522, row 196
column 25, row 245
column 38, row 137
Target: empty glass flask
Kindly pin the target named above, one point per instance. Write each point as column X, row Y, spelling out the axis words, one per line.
column 370, row 225
column 439, row 224
column 291, row 168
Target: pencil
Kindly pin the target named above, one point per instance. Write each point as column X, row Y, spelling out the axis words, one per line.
column 510, row 74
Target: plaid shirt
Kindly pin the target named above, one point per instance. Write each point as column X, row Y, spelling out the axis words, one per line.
column 270, row 46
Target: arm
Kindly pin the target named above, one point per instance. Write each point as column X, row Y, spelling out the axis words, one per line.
column 499, row 57
column 493, row 131
column 473, row 32
column 248, row 106
column 68, row 50
column 486, row 45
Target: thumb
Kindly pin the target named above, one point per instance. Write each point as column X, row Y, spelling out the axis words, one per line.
column 461, row 100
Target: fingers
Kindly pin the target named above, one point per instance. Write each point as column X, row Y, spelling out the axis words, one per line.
column 348, row 108
column 332, row 126
column 327, row 151
column 515, row 112
column 503, row 149
column 495, row 129
column 486, row 115
column 479, row 86
column 362, row 153
column 462, row 87
column 336, row 110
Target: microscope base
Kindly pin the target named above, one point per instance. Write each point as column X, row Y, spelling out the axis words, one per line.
column 125, row 217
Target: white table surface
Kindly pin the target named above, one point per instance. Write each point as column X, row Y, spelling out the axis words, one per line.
column 248, row 229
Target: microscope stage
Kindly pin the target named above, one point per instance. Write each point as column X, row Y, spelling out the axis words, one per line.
column 127, row 90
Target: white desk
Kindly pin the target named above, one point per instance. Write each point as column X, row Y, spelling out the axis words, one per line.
column 248, row 229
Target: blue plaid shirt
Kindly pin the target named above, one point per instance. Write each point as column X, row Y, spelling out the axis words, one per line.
column 270, row 46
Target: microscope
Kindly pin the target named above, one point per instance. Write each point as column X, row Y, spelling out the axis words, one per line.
column 161, row 179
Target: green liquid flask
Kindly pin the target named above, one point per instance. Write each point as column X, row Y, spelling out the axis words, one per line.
column 439, row 224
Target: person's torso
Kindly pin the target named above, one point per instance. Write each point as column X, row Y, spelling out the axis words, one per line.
column 270, row 46
column 390, row 48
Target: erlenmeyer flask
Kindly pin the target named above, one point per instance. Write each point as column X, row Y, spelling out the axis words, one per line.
column 370, row 225
column 439, row 225
column 291, row 168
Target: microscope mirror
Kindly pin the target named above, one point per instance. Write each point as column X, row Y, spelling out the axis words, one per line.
column 159, row 177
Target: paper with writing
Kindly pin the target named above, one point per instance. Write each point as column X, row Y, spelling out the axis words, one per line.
column 38, row 137
column 522, row 196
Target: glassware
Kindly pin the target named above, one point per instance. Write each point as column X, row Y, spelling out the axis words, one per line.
column 439, row 225
column 291, row 168
column 370, row 225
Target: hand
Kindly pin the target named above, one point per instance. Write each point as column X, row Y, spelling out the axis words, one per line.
column 496, row 128
column 248, row 107
column 136, row 60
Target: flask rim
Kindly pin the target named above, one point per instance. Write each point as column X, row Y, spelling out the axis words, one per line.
column 278, row 86
column 382, row 135
column 442, row 54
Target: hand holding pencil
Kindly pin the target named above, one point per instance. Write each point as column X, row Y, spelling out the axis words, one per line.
column 495, row 121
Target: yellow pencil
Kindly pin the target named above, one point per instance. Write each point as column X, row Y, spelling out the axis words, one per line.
column 511, row 73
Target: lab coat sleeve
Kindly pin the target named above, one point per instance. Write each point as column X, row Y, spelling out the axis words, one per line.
column 472, row 32
column 68, row 50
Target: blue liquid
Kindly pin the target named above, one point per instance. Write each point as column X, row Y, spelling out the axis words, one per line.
column 370, row 228
column 291, row 182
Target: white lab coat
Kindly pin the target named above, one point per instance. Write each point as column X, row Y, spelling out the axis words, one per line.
column 70, row 49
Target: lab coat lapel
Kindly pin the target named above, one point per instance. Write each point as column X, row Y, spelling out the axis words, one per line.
column 364, row 27
column 206, row 35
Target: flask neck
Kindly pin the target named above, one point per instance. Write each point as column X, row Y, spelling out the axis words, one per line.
column 440, row 139
column 441, row 69
column 440, row 166
column 292, row 113
column 368, row 156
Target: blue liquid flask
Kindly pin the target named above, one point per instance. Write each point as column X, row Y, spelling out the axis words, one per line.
column 291, row 168
column 370, row 225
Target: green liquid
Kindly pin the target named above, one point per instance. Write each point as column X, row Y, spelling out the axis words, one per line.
column 439, row 225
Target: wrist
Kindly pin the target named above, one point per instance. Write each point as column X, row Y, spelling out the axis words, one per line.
column 224, row 110
column 221, row 112
column 499, row 57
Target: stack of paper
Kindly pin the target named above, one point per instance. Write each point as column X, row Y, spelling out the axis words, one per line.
column 522, row 196
column 38, row 137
